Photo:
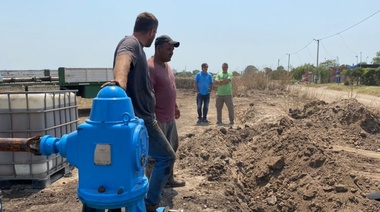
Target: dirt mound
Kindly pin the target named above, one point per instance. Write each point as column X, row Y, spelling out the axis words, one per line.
column 322, row 157
column 345, row 112
column 290, row 165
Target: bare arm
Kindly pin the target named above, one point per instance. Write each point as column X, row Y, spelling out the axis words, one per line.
column 225, row 81
column 222, row 82
column 196, row 86
column 177, row 112
column 121, row 70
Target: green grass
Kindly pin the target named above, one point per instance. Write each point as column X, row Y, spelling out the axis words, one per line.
column 360, row 89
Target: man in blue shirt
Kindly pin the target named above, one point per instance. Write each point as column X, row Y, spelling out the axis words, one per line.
column 203, row 83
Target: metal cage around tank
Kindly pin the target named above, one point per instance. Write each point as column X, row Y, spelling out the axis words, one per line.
column 30, row 113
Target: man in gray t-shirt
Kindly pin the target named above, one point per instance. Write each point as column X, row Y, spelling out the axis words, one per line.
column 139, row 88
column 131, row 73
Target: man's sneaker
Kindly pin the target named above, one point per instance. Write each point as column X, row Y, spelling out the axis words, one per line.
column 199, row 121
column 205, row 121
column 219, row 123
column 231, row 122
column 174, row 183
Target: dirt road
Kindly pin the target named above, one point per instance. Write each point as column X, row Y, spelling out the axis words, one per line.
column 327, row 95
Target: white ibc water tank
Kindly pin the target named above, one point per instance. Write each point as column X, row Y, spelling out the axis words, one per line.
column 27, row 114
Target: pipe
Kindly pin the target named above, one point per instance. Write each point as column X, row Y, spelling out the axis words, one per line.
column 21, row 144
column 30, row 79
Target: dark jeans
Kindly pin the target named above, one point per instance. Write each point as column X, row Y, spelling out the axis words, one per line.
column 205, row 100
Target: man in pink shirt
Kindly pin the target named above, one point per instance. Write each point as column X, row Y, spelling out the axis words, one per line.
column 163, row 82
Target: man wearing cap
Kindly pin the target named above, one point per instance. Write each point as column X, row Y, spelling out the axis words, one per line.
column 163, row 82
column 132, row 74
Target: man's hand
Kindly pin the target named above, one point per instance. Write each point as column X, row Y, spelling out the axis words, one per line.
column 177, row 113
column 112, row 82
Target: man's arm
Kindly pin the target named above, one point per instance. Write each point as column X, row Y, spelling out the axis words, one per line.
column 177, row 112
column 121, row 70
column 218, row 81
column 211, row 83
column 196, row 86
column 225, row 81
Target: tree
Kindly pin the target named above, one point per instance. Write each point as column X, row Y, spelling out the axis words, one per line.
column 354, row 75
column 376, row 60
column 195, row 72
column 371, row 76
column 267, row 70
column 323, row 73
column 250, row 70
column 184, row 74
column 280, row 68
column 329, row 64
column 324, row 70
column 302, row 70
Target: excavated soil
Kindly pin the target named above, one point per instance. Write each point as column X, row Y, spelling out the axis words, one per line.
column 284, row 153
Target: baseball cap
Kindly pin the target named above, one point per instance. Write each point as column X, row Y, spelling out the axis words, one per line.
column 165, row 39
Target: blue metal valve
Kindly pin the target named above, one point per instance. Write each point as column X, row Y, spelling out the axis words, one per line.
column 110, row 151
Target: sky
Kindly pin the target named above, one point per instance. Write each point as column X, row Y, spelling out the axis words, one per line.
column 45, row 34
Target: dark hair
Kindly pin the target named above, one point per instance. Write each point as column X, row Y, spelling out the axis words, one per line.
column 204, row 65
column 144, row 22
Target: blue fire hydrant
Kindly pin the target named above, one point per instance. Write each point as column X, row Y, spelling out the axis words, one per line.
column 110, row 151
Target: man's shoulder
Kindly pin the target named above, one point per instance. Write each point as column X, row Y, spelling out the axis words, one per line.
column 130, row 41
column 150, row 63
column 150, row 60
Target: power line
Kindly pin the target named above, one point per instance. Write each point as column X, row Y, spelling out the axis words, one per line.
column 346, row 44
column 332, row 35
column 331, row 55
column 303, row 47
column 350, row 26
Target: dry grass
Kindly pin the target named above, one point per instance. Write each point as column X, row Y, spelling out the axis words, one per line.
column 359, row 89
column 184, row 82
column 262, row 81
column 296, row 97
column 293, row 97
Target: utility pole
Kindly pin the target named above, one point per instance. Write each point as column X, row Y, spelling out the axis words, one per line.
column 360, row 57
column 278, row 63
column 288, row 61
column 317, row 55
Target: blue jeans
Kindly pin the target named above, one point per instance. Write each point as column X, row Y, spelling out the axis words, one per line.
column 205, row 100
column 164, row 155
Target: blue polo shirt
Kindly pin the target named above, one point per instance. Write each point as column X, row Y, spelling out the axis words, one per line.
column 204, row 81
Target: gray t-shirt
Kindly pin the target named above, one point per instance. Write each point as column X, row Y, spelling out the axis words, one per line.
column 139, row 87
